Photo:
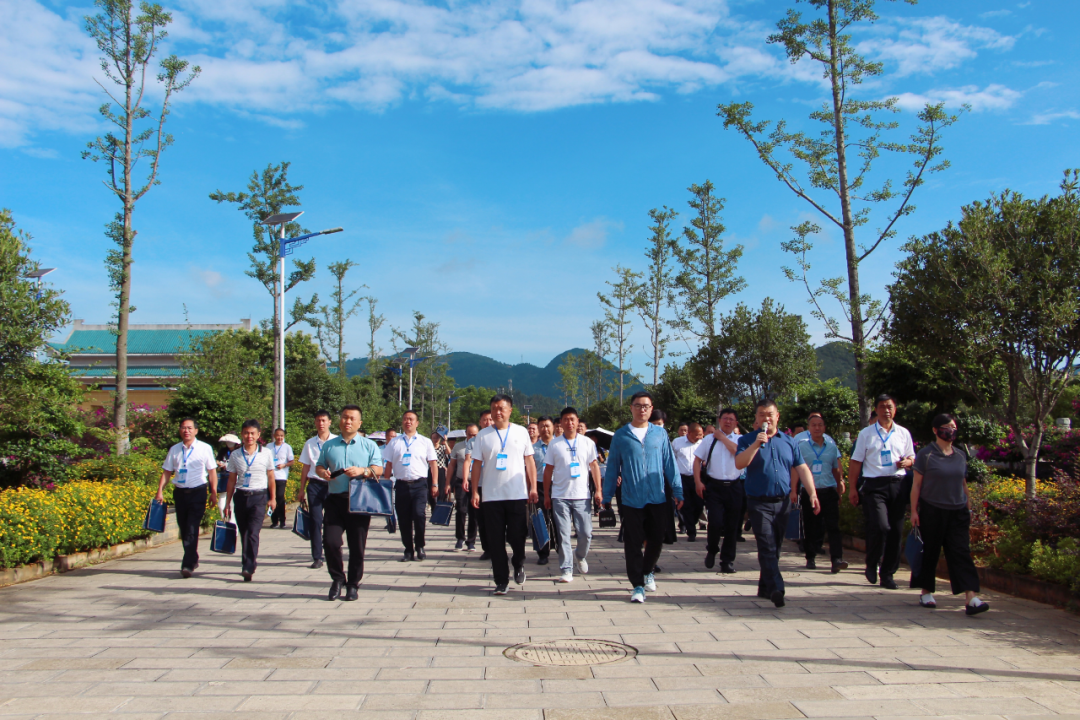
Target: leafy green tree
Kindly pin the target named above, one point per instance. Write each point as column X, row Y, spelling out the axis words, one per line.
column 837, row 185
column 619, row 306
column 1001, row 286
column 128, row 43
column 839, row 405
column 706, row 270
column 331, row 328
column 656, row 291
column 269, row 194
column 431, row 383
column 38, row 396
column 679, row 396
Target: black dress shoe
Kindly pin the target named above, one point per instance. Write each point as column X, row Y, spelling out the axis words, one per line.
column 185, row 572
column 351, row 593
column 409, row 556
column 710, row 559
column 871, row 574
column 460, row 544
column 727, row 568
column 316, row 565
column 839, row 565
column 542, row 561
column 777, row 598
column 246, row 575
column 485, row 555
column 740, row 539
column 691, row 537
column 420, row 554
column 335, row 591
column 811, row 564
column 656, row 570
column 887, row 582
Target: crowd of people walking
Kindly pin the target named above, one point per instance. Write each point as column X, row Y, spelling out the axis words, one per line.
column 508, row 482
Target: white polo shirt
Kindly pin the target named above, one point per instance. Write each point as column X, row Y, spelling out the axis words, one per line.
column 252, row 471
column 873, row 440
column 508, row 483
column 310, row 454
column 561, row 453
column 684, row 454
column 409, row 457
column 282, row 454
column 722, row 465
column 190, row 465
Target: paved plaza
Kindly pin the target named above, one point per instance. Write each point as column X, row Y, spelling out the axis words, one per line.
column 131, row 639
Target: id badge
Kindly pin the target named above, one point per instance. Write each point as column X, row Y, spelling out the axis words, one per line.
column 500, row 461
column 575, row 470
column 181, row 476
column 406, row 459
column 886, row 457
column 816, row 468
column 247, row 479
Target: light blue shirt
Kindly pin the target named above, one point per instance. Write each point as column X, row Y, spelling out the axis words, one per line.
column 339, row 455
column 827, row 454
column 645, row 468
column 540, row 449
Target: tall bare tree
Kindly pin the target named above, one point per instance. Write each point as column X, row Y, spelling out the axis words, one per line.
column 656, row 291
column 331, row 327
column 128, row 39
column 619, row 306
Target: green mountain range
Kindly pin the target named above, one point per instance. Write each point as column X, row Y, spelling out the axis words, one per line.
column 837, row 361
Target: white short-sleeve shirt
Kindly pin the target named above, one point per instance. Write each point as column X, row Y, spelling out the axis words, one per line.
column 722, row 464
column 190, row 466
column 873, row 440
column 684, row 454
column 310, row 454
column 252, row 471
column 510, row 483
column 282, row 454
column 409, row 456
column 560, row 454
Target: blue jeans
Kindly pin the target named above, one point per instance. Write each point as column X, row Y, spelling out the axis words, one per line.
column 580, row 513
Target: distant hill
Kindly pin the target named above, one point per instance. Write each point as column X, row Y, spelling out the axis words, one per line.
column 837, row 361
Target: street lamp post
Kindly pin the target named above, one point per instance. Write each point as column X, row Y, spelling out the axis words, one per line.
column 286, row 247
column 450, row 398
column 398, row 371
column 528, row 413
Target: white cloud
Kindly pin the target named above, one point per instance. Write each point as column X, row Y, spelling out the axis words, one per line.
column 592, row 235
column 992, row 97
column 929, row 45
column 995, row 14
column 1047, row 118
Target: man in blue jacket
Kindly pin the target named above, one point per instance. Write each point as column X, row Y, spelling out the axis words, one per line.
column 641, row 454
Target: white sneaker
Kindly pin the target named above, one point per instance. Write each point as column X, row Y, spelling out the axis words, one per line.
column 583, row 566
column 566, row 577
column 638, row 595
column 650, row 583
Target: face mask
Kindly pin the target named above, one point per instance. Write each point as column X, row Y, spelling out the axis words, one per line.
column 947, row 434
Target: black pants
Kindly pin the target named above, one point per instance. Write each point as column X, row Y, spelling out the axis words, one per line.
column 724, row 501
column 692, row 505
column 817, row 525
column 481, row 523
column 278, row 518
column 884, row 504
column 410, row 501
column 546, row 550
column 948, row 530
column 339, row 521
column 769, row 520
column 464, row 511
column 671, row 534
column 643, row 539
column 250, row 509
column 190, row 505
column 505, row 521
column 316, row 492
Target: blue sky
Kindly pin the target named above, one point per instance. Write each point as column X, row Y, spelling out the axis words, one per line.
column 491, row 161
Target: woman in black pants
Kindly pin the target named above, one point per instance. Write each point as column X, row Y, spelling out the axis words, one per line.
column 941, row 509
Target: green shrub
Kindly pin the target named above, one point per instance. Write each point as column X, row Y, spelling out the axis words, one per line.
column 1058, row 565
column 137, row 467
column 1012, row 550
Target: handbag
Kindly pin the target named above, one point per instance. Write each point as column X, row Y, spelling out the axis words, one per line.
column 301, row 524
column 224, row 538
column 155, row 517
column 913, row 552
column 607, row 517
column 540, row 534
column 442, row 513
column 794, row 524
column 371, row 497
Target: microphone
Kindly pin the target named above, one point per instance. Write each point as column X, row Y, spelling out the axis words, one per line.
column 765, row 429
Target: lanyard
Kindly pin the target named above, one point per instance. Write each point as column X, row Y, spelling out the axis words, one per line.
column 817, row 455
column 253, row 456
column 573, row 448
column 276, row 448
column 884, row 440
column 184, row 457
column 502, row 449
column 408, row 445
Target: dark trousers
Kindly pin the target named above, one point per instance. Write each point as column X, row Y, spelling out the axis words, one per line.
column 816, row 526
column 480, row 520
column 724, row 501
column 339, row 521
column 410, row 501
column 464, row 511
column 316, row 498
column 643, row 539
column 190, row 505
column 692, row 505
column 949, row 530
column 250, row 509
column 505, row 521
column 883, row 503
column 769, row 521
column 546, row 550
column 278, row 518
column 671, row 534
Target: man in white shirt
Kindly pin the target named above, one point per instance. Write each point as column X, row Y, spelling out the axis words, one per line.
column 508, row 476
column 283, row 460
column 684, row 447
column 484, row 421
column 455, row 471
column 192, row 468
column 313, row 489
column 569, row 463
column 883, row 453
column 411, row 458
column 719, row 483
column 251, row 491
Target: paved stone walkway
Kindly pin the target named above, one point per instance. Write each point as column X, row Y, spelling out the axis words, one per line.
column 130, row 639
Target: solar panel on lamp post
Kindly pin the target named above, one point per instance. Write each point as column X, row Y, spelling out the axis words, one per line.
column 37, row 275
column 286, row 247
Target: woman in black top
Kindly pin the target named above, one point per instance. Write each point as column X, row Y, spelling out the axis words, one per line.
column 941, row 509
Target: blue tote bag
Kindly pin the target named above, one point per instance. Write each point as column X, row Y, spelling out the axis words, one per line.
column 371, row 497
column 541, row 536
column 442, row 513
column 155, row 517
column 301, row 524
column 794, row 524
column 224, row 538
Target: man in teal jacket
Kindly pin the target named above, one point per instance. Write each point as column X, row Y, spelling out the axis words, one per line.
column 641, row 454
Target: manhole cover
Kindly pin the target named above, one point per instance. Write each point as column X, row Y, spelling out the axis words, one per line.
column 570, row 652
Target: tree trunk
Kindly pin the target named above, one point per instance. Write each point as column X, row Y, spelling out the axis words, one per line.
column 120, row 401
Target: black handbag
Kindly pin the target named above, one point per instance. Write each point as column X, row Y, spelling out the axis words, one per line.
column 607, row 517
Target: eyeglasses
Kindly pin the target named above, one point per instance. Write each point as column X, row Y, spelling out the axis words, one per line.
column 639, row 406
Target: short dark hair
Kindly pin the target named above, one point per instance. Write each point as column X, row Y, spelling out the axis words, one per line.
column 542, row 418
column 193, row 421
column 253, row 423
column 413, row 413
column 884, row 397
column 347, row 408
column 482, row 414
column 815, row 415
column 799, row 425
column 502, row 397
column 568, row 411
column 277, row 430
column 691, row 427
column 942, row 420
column 765, row 403
column 321, row 413
column 640, row 394
column 728, row 411
column 391, row 429
column 683, row 424
column 658, row 414
column 472, row 425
